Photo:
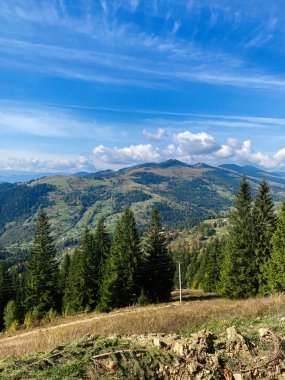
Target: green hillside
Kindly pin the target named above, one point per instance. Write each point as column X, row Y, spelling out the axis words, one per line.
column 184, row 195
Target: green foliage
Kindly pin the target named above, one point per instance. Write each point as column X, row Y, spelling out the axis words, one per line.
column 205, row 230
column 192, row 269
column 75, row 361
column 158, row 267
column 196, row 269
column 11, row 315
column 42, row 271
column 120, row 283
column 276, row 265
column 183, row 256
column 85, row 274
column 239, row 275
column 33, row 317
column 51, row 315
column 213, row 265
column 264, row 222
column 100, row 274
column 143, row 299
column 27, row 198
column 102, row 244
column 19, row 294
column 79, row 201
column 90, row 263
column 64, row 272
column 75, row 298
column 5, row 290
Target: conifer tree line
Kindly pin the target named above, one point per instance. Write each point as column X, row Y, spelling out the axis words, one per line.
column 250, row 260
column 102, row 273
column 110, row 272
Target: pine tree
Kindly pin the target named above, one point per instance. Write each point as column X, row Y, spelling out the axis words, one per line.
column 120, row 284
column 5, row 290
column 90, row 268
column 192, row 269
column 158, row 267
column 75, row 296
column 86, row 271
column 42, row 271
column 213, row 263
column 18, row 281
column 64, row 271
column 102, row 244
column 264, row 222
column 276, row 264
column 238, row 276
column 81, row 282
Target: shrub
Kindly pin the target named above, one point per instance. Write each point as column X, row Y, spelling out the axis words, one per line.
column 11, row 315
column 143, row 299
column 32, row 318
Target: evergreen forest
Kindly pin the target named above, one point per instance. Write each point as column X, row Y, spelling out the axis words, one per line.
column 131, row 267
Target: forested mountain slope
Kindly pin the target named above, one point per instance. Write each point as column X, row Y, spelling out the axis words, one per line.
column 184, row 194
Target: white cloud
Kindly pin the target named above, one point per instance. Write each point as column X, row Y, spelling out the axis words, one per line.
column 242, row 152
column 191, row 147
column 19, row 161
column 128, row 155
column 186, row 146
column 189, row 143
column 160, row 133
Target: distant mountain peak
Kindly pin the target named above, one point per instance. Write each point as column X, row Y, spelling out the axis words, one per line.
column 152, row 165
column 246, row 169
column 201, row 165
column 172, row 162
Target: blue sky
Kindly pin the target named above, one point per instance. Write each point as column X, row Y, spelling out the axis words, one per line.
column 89, row 85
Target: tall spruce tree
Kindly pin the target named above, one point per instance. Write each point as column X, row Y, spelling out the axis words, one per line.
column 120, row 283
column 86, row 271
column 238, row 276
column 81, row 283
column 91, row 267
column 213, row 263
column 158, row 267
column 264, row 222
column 192, row 268
column 42, row 293
column 5, row 290
column 64, row 271
column 75, row 297
column 102, row 244
column 275, row 272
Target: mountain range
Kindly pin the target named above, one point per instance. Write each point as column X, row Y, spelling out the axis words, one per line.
column 184, row 194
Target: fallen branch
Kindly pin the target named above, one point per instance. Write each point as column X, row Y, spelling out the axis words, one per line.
column 47, row 358
column 117, row 352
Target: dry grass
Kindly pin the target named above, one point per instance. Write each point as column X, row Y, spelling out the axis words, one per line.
column 167, row 318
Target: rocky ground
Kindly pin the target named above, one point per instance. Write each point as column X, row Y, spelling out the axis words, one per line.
column 227, row 356
column 202, row 355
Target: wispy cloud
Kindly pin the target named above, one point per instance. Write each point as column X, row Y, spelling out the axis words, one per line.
column 91, row 66
column 177, row 59
column 26, row 119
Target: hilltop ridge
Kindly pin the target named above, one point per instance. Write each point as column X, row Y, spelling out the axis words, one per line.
column 183, row 193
